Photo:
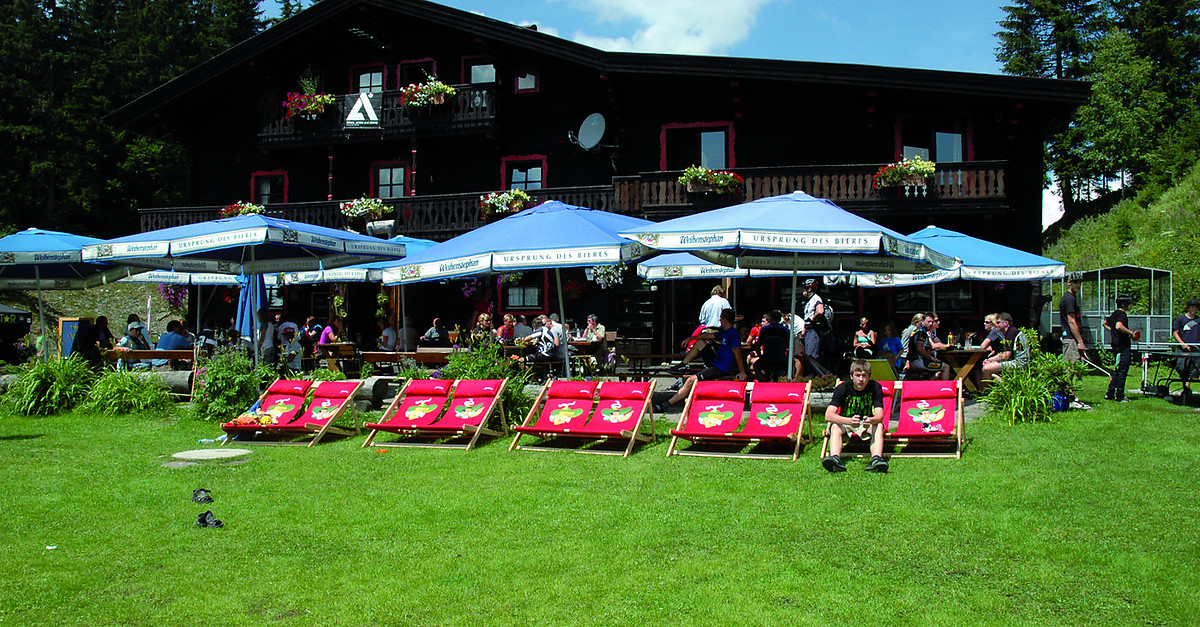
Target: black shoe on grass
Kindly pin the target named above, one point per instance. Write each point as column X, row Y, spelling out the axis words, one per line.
column 877, row 464
column 833, row 463
column 207, row 520
column 201, row 496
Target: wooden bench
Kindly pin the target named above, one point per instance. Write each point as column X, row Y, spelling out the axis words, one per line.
column 421, row 357
column 116, row 354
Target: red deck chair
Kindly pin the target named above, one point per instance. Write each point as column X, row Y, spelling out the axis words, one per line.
column 279, row 405
column 622, row 409
column 778, row 412
column 475, row 402
column 713, row 413
column 418, row 404
column 330, row 400
column 889, row 395
column 566, row 407
column 931, row 419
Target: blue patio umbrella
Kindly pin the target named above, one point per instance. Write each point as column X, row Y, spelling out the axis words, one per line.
column 253, row 292
column 36, row 259
column 551, row 235
column 244, row 245
column 795, row 232
column 981, row 261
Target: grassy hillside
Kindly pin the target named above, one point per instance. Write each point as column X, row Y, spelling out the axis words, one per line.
column 1165, row 234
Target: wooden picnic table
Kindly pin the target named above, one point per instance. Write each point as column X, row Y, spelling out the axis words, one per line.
column 118, row 353
column 962, row 361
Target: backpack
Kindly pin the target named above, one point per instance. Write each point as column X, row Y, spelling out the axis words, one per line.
column 824, row 325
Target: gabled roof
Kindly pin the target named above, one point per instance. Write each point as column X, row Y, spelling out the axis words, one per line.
column 613, row 63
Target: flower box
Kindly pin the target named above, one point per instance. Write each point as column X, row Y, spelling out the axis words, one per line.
column 914, row 172
column 700, row 179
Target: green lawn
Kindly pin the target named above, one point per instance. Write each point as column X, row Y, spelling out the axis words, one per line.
column 1090, row 519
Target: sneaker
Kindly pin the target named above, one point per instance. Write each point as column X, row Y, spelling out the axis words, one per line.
column 1121, row 400
column 207, row 520
column 1080, row 405
column 201, row 496
column 662, row 407
column 877, row 464
column 1109, row 397
column 675, row 387
column 833, row 463
column 678, row 368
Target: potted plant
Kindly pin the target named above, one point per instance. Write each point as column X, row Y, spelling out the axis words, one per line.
column 239, row 208
column 906, row 172
column 363, row 207
column 308, row 103
column 500, row 203
column 700, row 179
column 431, row 92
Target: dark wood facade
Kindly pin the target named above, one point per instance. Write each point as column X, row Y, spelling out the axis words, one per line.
column 821, row 128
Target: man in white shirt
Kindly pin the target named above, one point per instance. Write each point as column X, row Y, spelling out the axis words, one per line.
column 387, row 335
column 710, row 319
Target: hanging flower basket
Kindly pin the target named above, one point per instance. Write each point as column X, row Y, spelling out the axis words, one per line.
column 700, row 179
column 913, row 172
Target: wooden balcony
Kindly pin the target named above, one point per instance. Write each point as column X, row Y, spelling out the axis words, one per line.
column 471, row 110
column 438, row 217
column 977, row 185
column 959, row 187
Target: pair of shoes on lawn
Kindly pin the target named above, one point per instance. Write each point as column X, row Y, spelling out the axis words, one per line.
column 207, row 520
column 833, row 463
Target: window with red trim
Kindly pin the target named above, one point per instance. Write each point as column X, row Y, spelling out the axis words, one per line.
column 415, row 71
column 389, row 179
column 268, row 187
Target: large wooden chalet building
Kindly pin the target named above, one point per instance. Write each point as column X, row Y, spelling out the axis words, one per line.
column 782, row 125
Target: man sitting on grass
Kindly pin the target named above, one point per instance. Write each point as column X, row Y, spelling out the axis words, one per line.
column 728, row 360
column 856, row 407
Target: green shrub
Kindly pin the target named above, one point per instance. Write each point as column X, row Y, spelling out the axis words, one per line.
column 489, row 362
column 226, row 385
column 1024, row 394
column 126, row 392
column 324, row 374
column 51, row 387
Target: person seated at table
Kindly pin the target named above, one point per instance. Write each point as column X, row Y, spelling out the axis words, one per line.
column 890, row 346
column 134, row 340
column 770, row 349
column 864, row 339
column 728, row 360
column 1011, row 353
column 311, row 330
column 331, row 334
column 520, row 329
column 920, row 363
column 905, row 340
column 436, row 335
column 387, row 335
column 483, row 332
column 695, row 345
column 993, row 336
column 290, row 350
column 507, row 332
column 548, row 346
column 172, row 340
column 406, row 337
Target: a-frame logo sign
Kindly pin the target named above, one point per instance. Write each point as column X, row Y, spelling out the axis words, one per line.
column 362, row 110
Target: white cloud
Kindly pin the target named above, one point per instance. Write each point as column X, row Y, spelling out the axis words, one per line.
column 673, row 26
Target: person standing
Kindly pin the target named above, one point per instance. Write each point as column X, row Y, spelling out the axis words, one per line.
column 1072, row 324
column 266, row 337
column 1117, row 323
column 1186, row 331
column 814, row 319
column 727, row 362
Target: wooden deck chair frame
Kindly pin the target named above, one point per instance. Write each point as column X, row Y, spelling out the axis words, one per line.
column 395, row 406
column 233, row 431
column 316, row 431
column 595, row 432
column 796, row 437
column 912, row 443
column 574, row 392
column 443, row 437
column 848, row 451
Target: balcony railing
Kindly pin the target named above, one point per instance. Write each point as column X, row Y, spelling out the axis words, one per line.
column 661, row 193
column 472, row 109
column 439, row 216
column 970, row 186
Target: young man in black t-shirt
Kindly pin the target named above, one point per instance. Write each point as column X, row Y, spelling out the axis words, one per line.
column 856, row 407
column 1117, row 323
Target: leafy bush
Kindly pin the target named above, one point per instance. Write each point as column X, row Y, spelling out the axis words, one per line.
column 126, row 392
column 226, row 384
column 51, row 387
column 486, row 362
column 1024, row 394
column 324, row 374
column 408, row 368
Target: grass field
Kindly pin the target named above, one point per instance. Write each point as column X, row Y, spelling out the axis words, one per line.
column 1088, row 520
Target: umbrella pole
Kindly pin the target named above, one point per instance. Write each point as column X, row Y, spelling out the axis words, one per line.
column 37, row 274
column 933, row 298
column 792, row 323
column 562, row 314
column 252, row 284
column 403, row 316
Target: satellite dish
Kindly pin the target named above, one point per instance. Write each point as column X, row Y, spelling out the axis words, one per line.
column 590, row 132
